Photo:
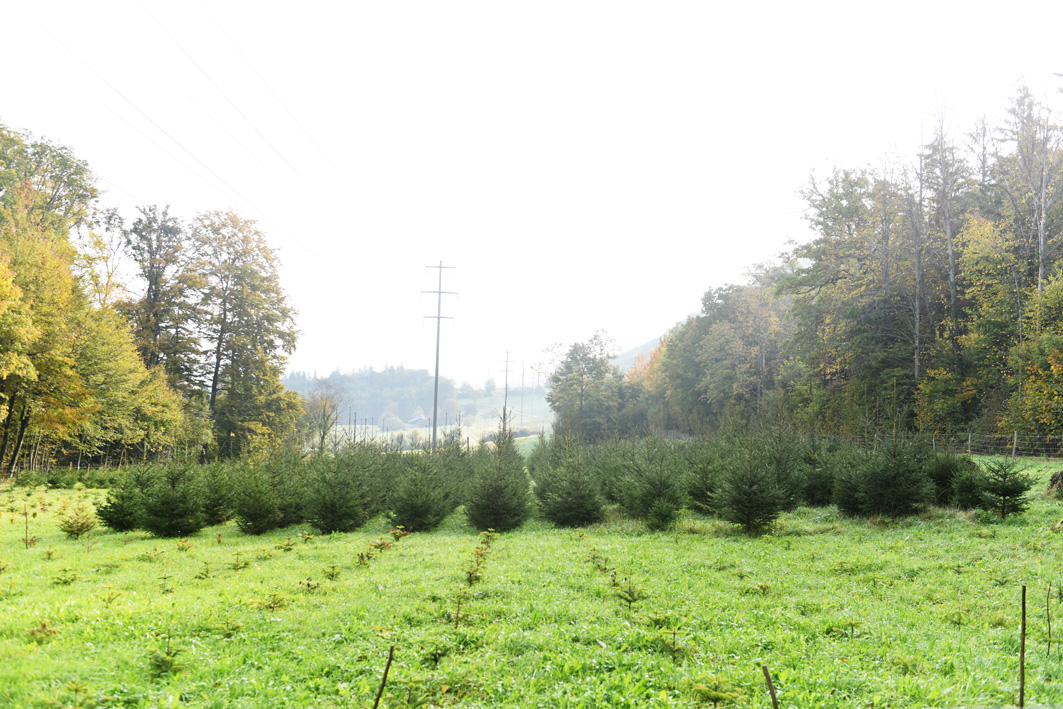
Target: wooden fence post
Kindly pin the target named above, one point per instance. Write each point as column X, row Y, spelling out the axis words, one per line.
column 1022, row 653
column 771, row 687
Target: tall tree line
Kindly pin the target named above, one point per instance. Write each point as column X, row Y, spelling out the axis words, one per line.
column 930, row 296
column 188, row 355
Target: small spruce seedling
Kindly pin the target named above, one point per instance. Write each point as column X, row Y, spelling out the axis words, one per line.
column 164, row 662
column 630, row 594
column 78, row 522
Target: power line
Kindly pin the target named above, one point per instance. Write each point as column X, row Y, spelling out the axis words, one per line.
column 269, row 88
column 224, row 95
column 235, row 192
column 157, row 126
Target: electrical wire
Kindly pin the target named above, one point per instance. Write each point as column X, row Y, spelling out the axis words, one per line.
column 227, row 98
column 269, row 88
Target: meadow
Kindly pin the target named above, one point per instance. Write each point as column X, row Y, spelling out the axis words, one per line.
column 918, row 612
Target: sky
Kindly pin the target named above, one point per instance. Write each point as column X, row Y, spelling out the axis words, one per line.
column 576, row 166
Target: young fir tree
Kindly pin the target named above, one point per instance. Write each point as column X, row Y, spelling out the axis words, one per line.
column 421, row 497
column 121, row 510
column 499, row 493
column 255, row 504
column 1005, row 487
column 653, row 487
column 783, row 457
column 338, row 498
column 216, row 483
column 568, row 494
column 749, row 494
column 967, row 486
column 173, row 503
column 893, row 481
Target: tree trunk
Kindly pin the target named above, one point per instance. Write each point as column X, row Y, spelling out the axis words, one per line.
column 24, row 422
column 7, row 430
column 216, row 377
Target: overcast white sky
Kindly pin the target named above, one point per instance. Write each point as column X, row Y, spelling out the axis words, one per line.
column 583, row 165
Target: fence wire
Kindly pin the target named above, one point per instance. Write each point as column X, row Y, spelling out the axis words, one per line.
column 1001, row 445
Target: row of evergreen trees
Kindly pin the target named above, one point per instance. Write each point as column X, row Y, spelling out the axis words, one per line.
column 748, row 480
column 333, row 493
column 751, row 479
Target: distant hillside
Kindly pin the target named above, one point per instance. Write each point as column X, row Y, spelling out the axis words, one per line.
column 625, row 360
column 397, row 399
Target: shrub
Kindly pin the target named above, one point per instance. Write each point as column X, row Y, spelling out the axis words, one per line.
column 499, row 493
column 172, row 503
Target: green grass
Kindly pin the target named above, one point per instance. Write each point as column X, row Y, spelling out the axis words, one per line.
column 921, row 612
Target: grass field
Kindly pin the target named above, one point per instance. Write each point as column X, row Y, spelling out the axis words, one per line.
column 921, row 612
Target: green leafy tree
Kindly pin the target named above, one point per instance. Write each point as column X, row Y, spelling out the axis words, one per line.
column 585, row 389
column 70, row 378
column 321, row 412
column 247, row 316
column 249, row 328
column 165, row 318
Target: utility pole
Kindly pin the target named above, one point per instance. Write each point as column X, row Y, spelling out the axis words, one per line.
column 505, row 390
column 439, row 320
